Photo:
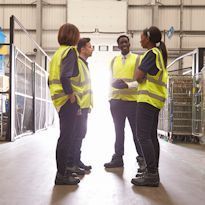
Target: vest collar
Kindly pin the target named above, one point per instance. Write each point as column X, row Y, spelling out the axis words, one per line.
column 125, row 56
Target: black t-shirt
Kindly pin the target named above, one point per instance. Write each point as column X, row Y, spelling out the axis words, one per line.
column 148, row 64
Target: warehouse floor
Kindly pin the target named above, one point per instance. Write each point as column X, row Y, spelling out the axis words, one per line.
column 27, row 172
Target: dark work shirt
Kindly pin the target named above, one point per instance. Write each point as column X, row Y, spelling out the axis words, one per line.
column 148, row 64
column 86, row 63
column 69, row 68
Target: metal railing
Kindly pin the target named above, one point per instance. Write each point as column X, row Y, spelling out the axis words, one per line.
column 30, row 107
column 181, row 118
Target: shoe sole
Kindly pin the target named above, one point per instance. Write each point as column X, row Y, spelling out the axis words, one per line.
column 149, row 185
column 62, row 183
column 113, row 167
column 120, row 166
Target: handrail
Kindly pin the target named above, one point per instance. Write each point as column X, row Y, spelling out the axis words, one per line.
column 30, row 60
column 14, row 19
column 180, row 57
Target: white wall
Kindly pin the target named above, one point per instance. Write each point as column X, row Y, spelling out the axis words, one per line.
column 136, row 18
column 106, row 16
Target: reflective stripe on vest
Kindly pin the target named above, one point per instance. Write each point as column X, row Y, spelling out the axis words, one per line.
column 86, row 80
column 81, row 95
column 154, row 89
column 152, row 95
column 85, row 94
column 158, row 82
column 57, row 93
column 56, row 96
column 78, row 83
column 55, row 81
column 125, row 91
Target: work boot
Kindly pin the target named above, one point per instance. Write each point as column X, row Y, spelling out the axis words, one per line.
column 142, row 164
column 85, row 167
column 76, row 170
column 139, row 174
column 66, row 179
column 115, row 162
column 147, row 179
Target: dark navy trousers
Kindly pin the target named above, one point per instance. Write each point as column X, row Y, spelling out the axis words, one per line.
column 64, row 149
column 121, row 110
column 80, row 132
column 147, row 122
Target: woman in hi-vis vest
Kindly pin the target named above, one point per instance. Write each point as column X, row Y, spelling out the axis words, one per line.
column 63, row 72
column 151, row 95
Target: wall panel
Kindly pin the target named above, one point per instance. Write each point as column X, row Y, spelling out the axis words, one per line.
column 170, row 43
column 193, row 41
column 106, row 16
column 139, row 18
column 2, row 17
column 24, row 43
column 194, row 2
column 49, row 12
column 16, row 1
column 170, row 2
column 26, row 15
column 138, row 2
column 169, row 17
column 49, row 39
column 194, row 19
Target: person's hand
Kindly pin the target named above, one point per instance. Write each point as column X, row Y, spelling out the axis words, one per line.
column 119, row 84
column 72, row 98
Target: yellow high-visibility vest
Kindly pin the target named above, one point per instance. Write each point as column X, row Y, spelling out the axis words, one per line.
column 85, row 84
column 125, row 72
column 154, row 89
column 59, row 97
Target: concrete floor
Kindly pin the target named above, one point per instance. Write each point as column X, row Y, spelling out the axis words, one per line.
column 27, row 172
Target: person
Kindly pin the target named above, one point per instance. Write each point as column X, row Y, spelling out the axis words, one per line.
column 152, row 91
column 66, row 95
column 124, row 100
column 85, row 50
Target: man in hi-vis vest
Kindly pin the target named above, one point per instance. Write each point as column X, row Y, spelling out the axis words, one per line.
column 123, row 101
column 85, row 50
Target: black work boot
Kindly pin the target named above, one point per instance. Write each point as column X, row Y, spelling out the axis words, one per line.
column 142, row 164
column 85, row 167
column 115, row 162
column 66, row 179
column 76, row 170
column 139, row 173
column 147, row 179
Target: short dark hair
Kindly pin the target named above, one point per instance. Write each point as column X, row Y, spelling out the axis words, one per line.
column 122, row 36
column 82, row 43
column 68, row 34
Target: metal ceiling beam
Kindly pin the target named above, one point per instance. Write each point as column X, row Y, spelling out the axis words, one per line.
column 39, row 17
column 155, row 13
column 164, row 6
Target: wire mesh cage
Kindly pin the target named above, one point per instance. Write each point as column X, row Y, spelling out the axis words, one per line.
column 198, row 121
column 183, row 116
column 202, row 139
column 175, row 119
